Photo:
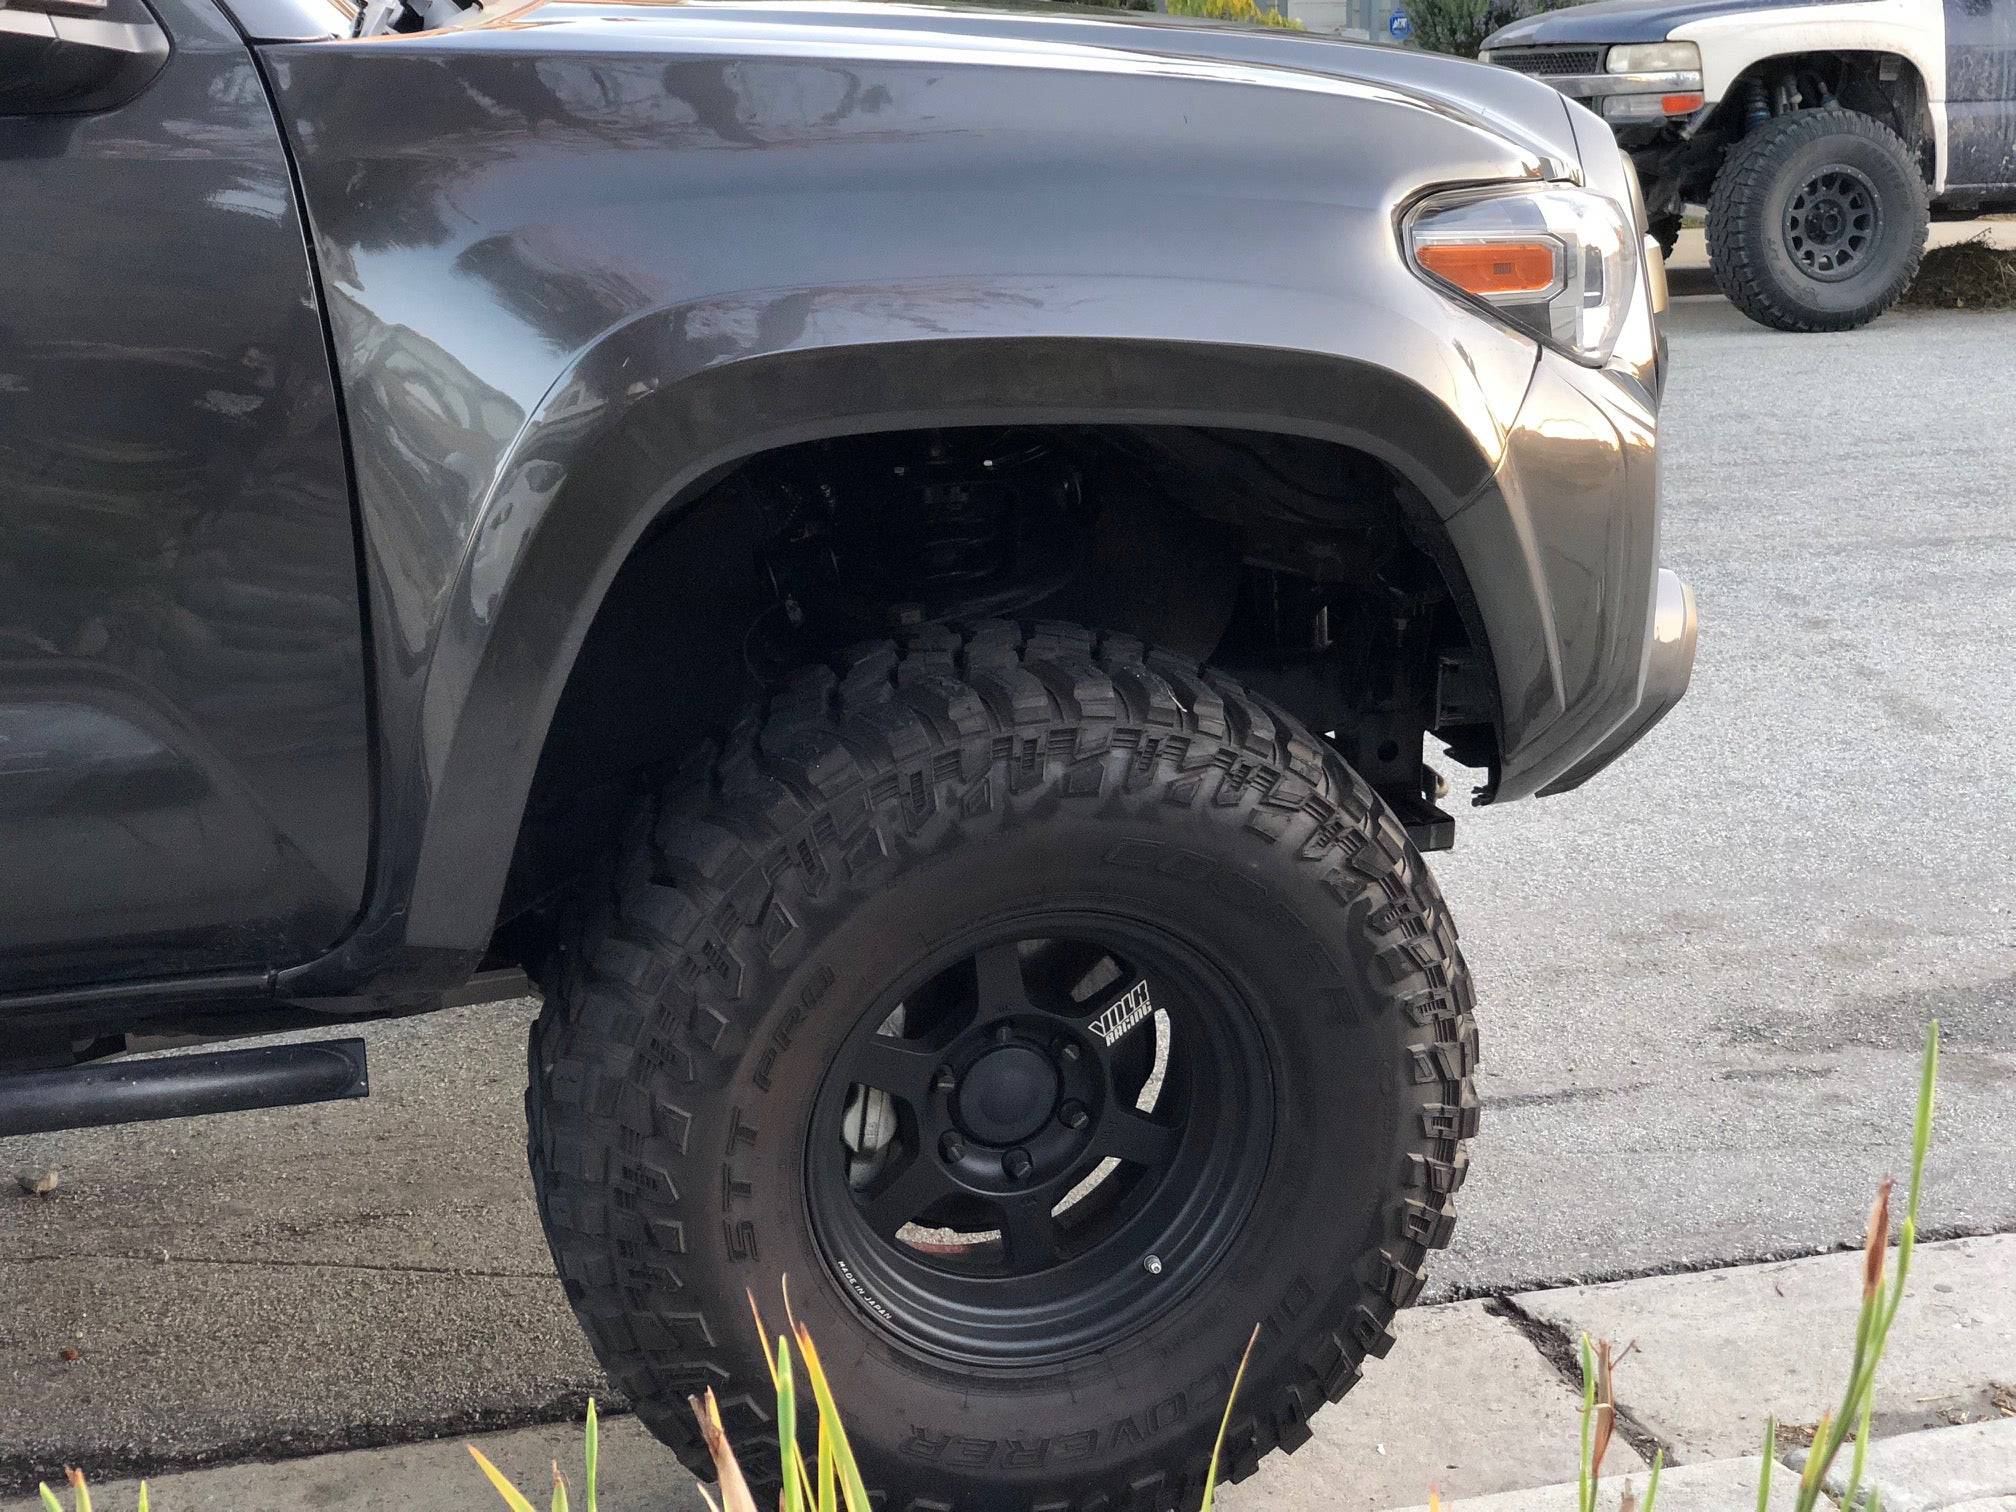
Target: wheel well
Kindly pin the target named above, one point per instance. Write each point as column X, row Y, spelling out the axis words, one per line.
column 1307, row 568
column 1885, row 85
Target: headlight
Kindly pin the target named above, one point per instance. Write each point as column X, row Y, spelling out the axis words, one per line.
column 1654, row 57
column 1555, row 261
column 1487, row 56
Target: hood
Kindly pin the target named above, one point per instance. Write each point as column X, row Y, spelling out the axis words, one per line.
column 1627, row 20
column 1526, row 112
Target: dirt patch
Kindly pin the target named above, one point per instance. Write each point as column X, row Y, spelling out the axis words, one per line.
column 1970, row 275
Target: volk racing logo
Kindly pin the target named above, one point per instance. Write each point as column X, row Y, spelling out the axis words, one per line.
column 1123, row 1015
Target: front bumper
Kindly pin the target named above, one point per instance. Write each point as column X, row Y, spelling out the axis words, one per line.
column 1622, row 99
column 1669, row 667
column 1592, row 641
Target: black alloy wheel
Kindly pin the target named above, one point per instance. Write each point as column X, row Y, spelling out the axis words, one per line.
column 1047, row 1139
column 1832, row 223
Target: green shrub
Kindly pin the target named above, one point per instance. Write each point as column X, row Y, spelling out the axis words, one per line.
column 1233, row 10
column 1460, row 26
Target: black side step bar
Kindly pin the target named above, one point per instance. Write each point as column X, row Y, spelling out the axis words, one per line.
column 181, row 1086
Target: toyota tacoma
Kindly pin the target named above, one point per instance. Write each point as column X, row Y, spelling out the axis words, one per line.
column 899, row 563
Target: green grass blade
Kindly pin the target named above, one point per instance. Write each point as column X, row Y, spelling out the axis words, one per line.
column 591, row 1453
column 1652, row 1484
column 1585, row 1485
column 559, row 1489
column 1861, row 1450
column 852, row 1490
column 1225, row 1422
column 512, row 1498
column 143, row 1498
column 1770, row 1457
column 49, row 1498
column 828, row 1499
column 787, row 1428
column 1921, row 1128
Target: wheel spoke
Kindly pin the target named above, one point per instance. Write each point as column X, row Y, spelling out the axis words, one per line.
column 906, row 1195
column 1127, row 1135
column 1029, row 1232
column 899, row 1067
column 999, row 969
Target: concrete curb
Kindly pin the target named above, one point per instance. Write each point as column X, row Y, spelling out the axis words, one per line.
column 1939, row 1470
column 1477, row 1401
column 1722, row 1486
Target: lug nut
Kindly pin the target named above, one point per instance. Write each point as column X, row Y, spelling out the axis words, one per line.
column 1068, row 1051
column 1073, row 1115
column 952, row 1147
column 1017, row 1164
column 1152, row 1265
column 1004, row 1034
column 944, row 1081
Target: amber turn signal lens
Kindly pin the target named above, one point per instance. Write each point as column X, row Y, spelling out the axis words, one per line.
column 1682, row 104
column 1486, row 268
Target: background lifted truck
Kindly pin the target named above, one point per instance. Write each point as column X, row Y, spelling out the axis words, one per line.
column 1821, row 135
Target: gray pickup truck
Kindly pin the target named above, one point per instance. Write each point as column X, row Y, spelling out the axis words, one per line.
column 1821, row 135
column 899, row 563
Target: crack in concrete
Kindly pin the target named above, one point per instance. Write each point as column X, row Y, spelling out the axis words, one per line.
column 20, row 1472
column 166, row 1257
column 1560, row 1351
column 1499, row 1290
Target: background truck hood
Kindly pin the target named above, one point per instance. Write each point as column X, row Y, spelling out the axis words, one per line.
column 1522, row 110
column 1627, row 20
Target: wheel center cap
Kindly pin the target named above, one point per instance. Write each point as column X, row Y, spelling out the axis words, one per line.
column 1007, row 1095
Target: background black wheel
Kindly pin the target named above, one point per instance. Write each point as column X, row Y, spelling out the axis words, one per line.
column 1051, row 1012
column 1817, row 221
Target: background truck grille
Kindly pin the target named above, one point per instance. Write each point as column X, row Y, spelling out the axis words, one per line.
column 1548, row 62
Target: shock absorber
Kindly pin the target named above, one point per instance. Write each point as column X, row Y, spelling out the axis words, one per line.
column 1756, row 105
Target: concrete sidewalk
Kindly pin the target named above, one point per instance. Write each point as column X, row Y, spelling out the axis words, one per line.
column 1477, row 1401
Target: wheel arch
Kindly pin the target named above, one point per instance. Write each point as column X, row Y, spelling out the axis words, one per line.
column 1892, row 71
column 590, row 480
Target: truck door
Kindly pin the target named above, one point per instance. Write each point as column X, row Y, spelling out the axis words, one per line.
column 183, row 762
column 1981, row 93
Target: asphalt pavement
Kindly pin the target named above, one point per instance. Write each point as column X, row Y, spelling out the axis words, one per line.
column 1702, row 980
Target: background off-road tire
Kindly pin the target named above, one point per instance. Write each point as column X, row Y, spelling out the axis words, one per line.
column 1755, row 261
column 760, row 908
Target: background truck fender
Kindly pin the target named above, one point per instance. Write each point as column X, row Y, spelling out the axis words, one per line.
column 1912, row 29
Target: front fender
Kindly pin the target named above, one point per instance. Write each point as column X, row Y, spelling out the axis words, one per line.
column 609, row 458
column 577, row 285
column 1733, row 43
